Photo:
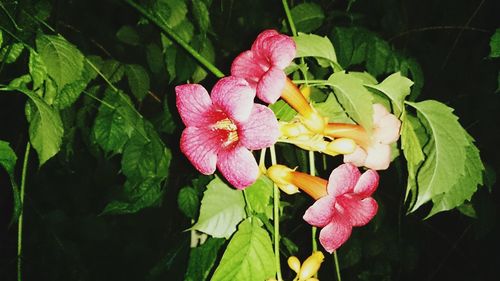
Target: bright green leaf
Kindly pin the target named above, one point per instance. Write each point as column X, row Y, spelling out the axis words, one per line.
column 307, row 17
column 128, row 35
column 10, row 53
column 259, row 194
column 37, row 69
column 188, row 201
column 495, row 44
column 69, row 94
column 249, row 256
column 283, row 111
column 332, row 110
column 222, row 208
column 113, row 70
column 138, row 80
column 395, row 87
column 178, row 12
column 202, row 259
column 354, row 98
column 8, row 161
column 63, row 60
column 311, row 45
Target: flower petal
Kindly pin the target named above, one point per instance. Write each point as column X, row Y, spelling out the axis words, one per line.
column 335, row 234
column 367, row 184
column 249, row 66
column 387, row 129
column 193, row 103
column 280, row 50
column 378, row 157
column 259, row 41
column 261, row 129
column 356, row 158
column 320, row 213
column 238, row 166
column 271, row 84
column 343, row 179
column 234, row 96
column 201, row 147
column 358, row 212
column 379, row 111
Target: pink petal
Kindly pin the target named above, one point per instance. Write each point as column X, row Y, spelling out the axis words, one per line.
column 271, row 84
column 387, row 129
column 260, row 130
column 234, row 96
column 343, row 179
column 280, row 49
column 238, row 166
column 335, row 234
column 367, row 184
column 378, row 157
column 321, row 212
column 193, row 103
column 358, row 212
column 201, row 147
column 250, row 67
column 259, row 41
column 357, row 158
column 379, row 111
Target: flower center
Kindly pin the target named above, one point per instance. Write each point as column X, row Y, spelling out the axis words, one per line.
column 227, row 131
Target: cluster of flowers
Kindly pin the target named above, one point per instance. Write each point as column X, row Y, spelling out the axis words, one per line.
column 222, row 128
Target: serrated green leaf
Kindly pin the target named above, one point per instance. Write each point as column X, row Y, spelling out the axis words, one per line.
column 351, row 44
column 128, row 35
column 206, row 49
column 63, row 61
column 495, row 44
column 445, row 152
column 188, row 201
column 201, row 15
column 138, row 80
column 178, row 10
column 154, row 57
column 49, row 92
column 202, row 259
column 8, row 159
column 145, row 158
column 395, row 87
column 222, row 208
column 307, row 17
column 379, row 57
column 114, row 123
column 69, row 94
column 113, row 70
column 20, row 82
column 332, row 110
column 259, row 194
column 89, row 73
column 37, row 69
column 312, row 45
column 466, row 185
column 354, row 98
column 10, row 53
column 283, row 111
column 249, row 256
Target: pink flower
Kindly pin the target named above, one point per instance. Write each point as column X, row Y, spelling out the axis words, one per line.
column 262, row 66
column 223, row 128
column 377, row 153
column 347, row 204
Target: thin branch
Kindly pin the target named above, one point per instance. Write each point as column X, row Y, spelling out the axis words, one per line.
column 434, row 28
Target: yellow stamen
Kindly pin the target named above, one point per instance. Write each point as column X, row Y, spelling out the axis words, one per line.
column 224, row 124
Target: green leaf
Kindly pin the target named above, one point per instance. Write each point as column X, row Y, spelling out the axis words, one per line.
column 63, row 60
column 445, row 152
column 332, row 110
column 311, row 45
column 283, row 111
column 379, row 57
column 69, row 94
column 351, row 44
column 154, row 57
column 495, row 44
column 45, row 129
column 172, row 12
column 259, row 194
column 10, row 53
column 201, row 15
column 128, row 35
column 395, row 87
column 207, row 51
column 37, row 69
column 188, row 201
column 138, row 80
column 113, row 70
column 145, row 158
column 1, row 38
column 412, row 134
column 114, row 123
column 307, row 17
column 249, row 256
column 222, row 208
column 466, row 185
column 8, row 161
column 202, row 259
column 354, row 98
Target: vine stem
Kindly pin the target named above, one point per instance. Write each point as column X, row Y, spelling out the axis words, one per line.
column 276, row 220
column 20, row 222
column 170, row 33
column 337, row 267
column 289, row 17
column 312, row 172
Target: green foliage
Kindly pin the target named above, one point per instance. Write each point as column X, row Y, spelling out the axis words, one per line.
column 495, row 44
column 8, row 159
column 201, row 15
column 222, row 208
column 128, row 35
column 283, row 111
column 311, row 45
column 202, row 259
column 259, row 194
column 188, row 201
column 307, row 17
column 396, row 88
column 138, row 80
column 10, row 53
column 249, row 255
column 332, row 110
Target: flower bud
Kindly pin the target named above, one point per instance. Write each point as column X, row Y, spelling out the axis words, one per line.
column 341, row 146
column 280, row 175
column 311, row 265
column 294, row 264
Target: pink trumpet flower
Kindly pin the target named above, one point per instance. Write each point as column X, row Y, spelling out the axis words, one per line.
column 262, row 66
column 221, row 129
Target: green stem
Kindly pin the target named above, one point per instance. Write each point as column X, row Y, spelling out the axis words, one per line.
column 20, row 223
column 289, row 17
column 171, row 33
column 312, row 172
column 337, row 267
column 276, row 220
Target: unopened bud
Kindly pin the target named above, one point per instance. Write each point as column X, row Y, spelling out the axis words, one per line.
column 342, row 146
column 314, row 122
column 280, row 175
column 294, row 264
column 311, row 265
